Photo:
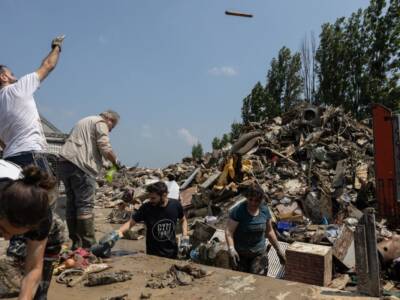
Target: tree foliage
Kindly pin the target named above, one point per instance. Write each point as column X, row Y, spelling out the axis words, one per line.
column 284, row 81
column 358, row 60
column 197, row 151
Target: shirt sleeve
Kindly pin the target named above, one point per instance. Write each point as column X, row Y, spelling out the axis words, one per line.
column 27, row 85
column 267, row 213
column 234, row 214
column 42, row 231
column 139, row 215
column 102, row 138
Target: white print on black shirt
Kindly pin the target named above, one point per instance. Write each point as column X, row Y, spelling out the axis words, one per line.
column 163, row 230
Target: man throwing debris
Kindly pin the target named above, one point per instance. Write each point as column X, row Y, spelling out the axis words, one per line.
column 21, row 132
column 81, row 161
column 160, row 215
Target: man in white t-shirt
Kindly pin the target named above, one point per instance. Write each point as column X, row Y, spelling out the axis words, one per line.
column 21, row 132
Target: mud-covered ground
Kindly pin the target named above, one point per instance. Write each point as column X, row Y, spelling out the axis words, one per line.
column 221, row 284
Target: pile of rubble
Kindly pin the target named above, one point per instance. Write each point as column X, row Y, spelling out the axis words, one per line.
column 315, row 165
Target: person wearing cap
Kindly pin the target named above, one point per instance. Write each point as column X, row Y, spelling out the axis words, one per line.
column 248, row 225
column 160, row 215
column 25, row 210
column 81, row 160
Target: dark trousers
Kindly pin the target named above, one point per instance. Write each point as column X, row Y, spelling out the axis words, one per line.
column 254, row 263
column 17, row 247
column 31, row 158
column 80, row 189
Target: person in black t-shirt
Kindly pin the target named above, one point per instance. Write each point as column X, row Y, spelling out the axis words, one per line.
column 160, row 215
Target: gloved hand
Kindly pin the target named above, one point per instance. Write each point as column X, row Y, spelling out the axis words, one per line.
column 184, row 246
column 234, row 256
column 57, row 42
column 106, row 243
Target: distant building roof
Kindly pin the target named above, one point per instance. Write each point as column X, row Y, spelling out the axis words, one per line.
column 51, row 131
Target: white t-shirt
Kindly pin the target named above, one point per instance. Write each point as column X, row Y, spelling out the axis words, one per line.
column 9, row 170
column 20, row 126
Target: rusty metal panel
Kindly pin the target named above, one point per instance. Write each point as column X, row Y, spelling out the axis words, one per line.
column 385, row 164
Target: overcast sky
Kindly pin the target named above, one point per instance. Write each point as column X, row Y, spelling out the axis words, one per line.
column 176, row 70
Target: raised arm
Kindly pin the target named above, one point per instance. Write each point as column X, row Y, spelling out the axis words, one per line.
column 50, row 62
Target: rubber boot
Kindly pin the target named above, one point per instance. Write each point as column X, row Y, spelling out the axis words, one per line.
column 71, row 224
column 85, row 230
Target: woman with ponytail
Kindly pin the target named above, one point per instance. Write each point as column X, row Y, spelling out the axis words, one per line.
column 25, row 209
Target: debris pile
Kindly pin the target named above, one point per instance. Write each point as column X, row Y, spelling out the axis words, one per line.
column 315, row 165
column 175, row 276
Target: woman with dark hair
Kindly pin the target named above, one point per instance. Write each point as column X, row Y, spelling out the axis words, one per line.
column 25, row 210
column 248, row 225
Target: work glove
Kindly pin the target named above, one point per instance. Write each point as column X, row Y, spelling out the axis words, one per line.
column 234, row 256
column 185, row 242
column 57, row 42
column 106, row 243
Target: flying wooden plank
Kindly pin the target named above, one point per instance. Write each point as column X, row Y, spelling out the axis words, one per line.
column 238, row 14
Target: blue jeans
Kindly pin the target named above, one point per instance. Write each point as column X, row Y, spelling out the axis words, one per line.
column 24, row 159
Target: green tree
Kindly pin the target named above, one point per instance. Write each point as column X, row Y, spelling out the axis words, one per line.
column 216, row 143
column 252, row 109
column 358, row 59
column 236, row 129
column 284, row 82
column 225, row 140
column 197, row 151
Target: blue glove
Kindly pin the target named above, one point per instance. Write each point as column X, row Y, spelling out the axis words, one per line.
column 106, row 243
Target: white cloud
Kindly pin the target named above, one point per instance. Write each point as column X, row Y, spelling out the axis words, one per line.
column 146, row 131
column 189, row 138
column 226, row 71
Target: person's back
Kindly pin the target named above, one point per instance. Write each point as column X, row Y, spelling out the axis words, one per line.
column 20, row 126
column 81, row 146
